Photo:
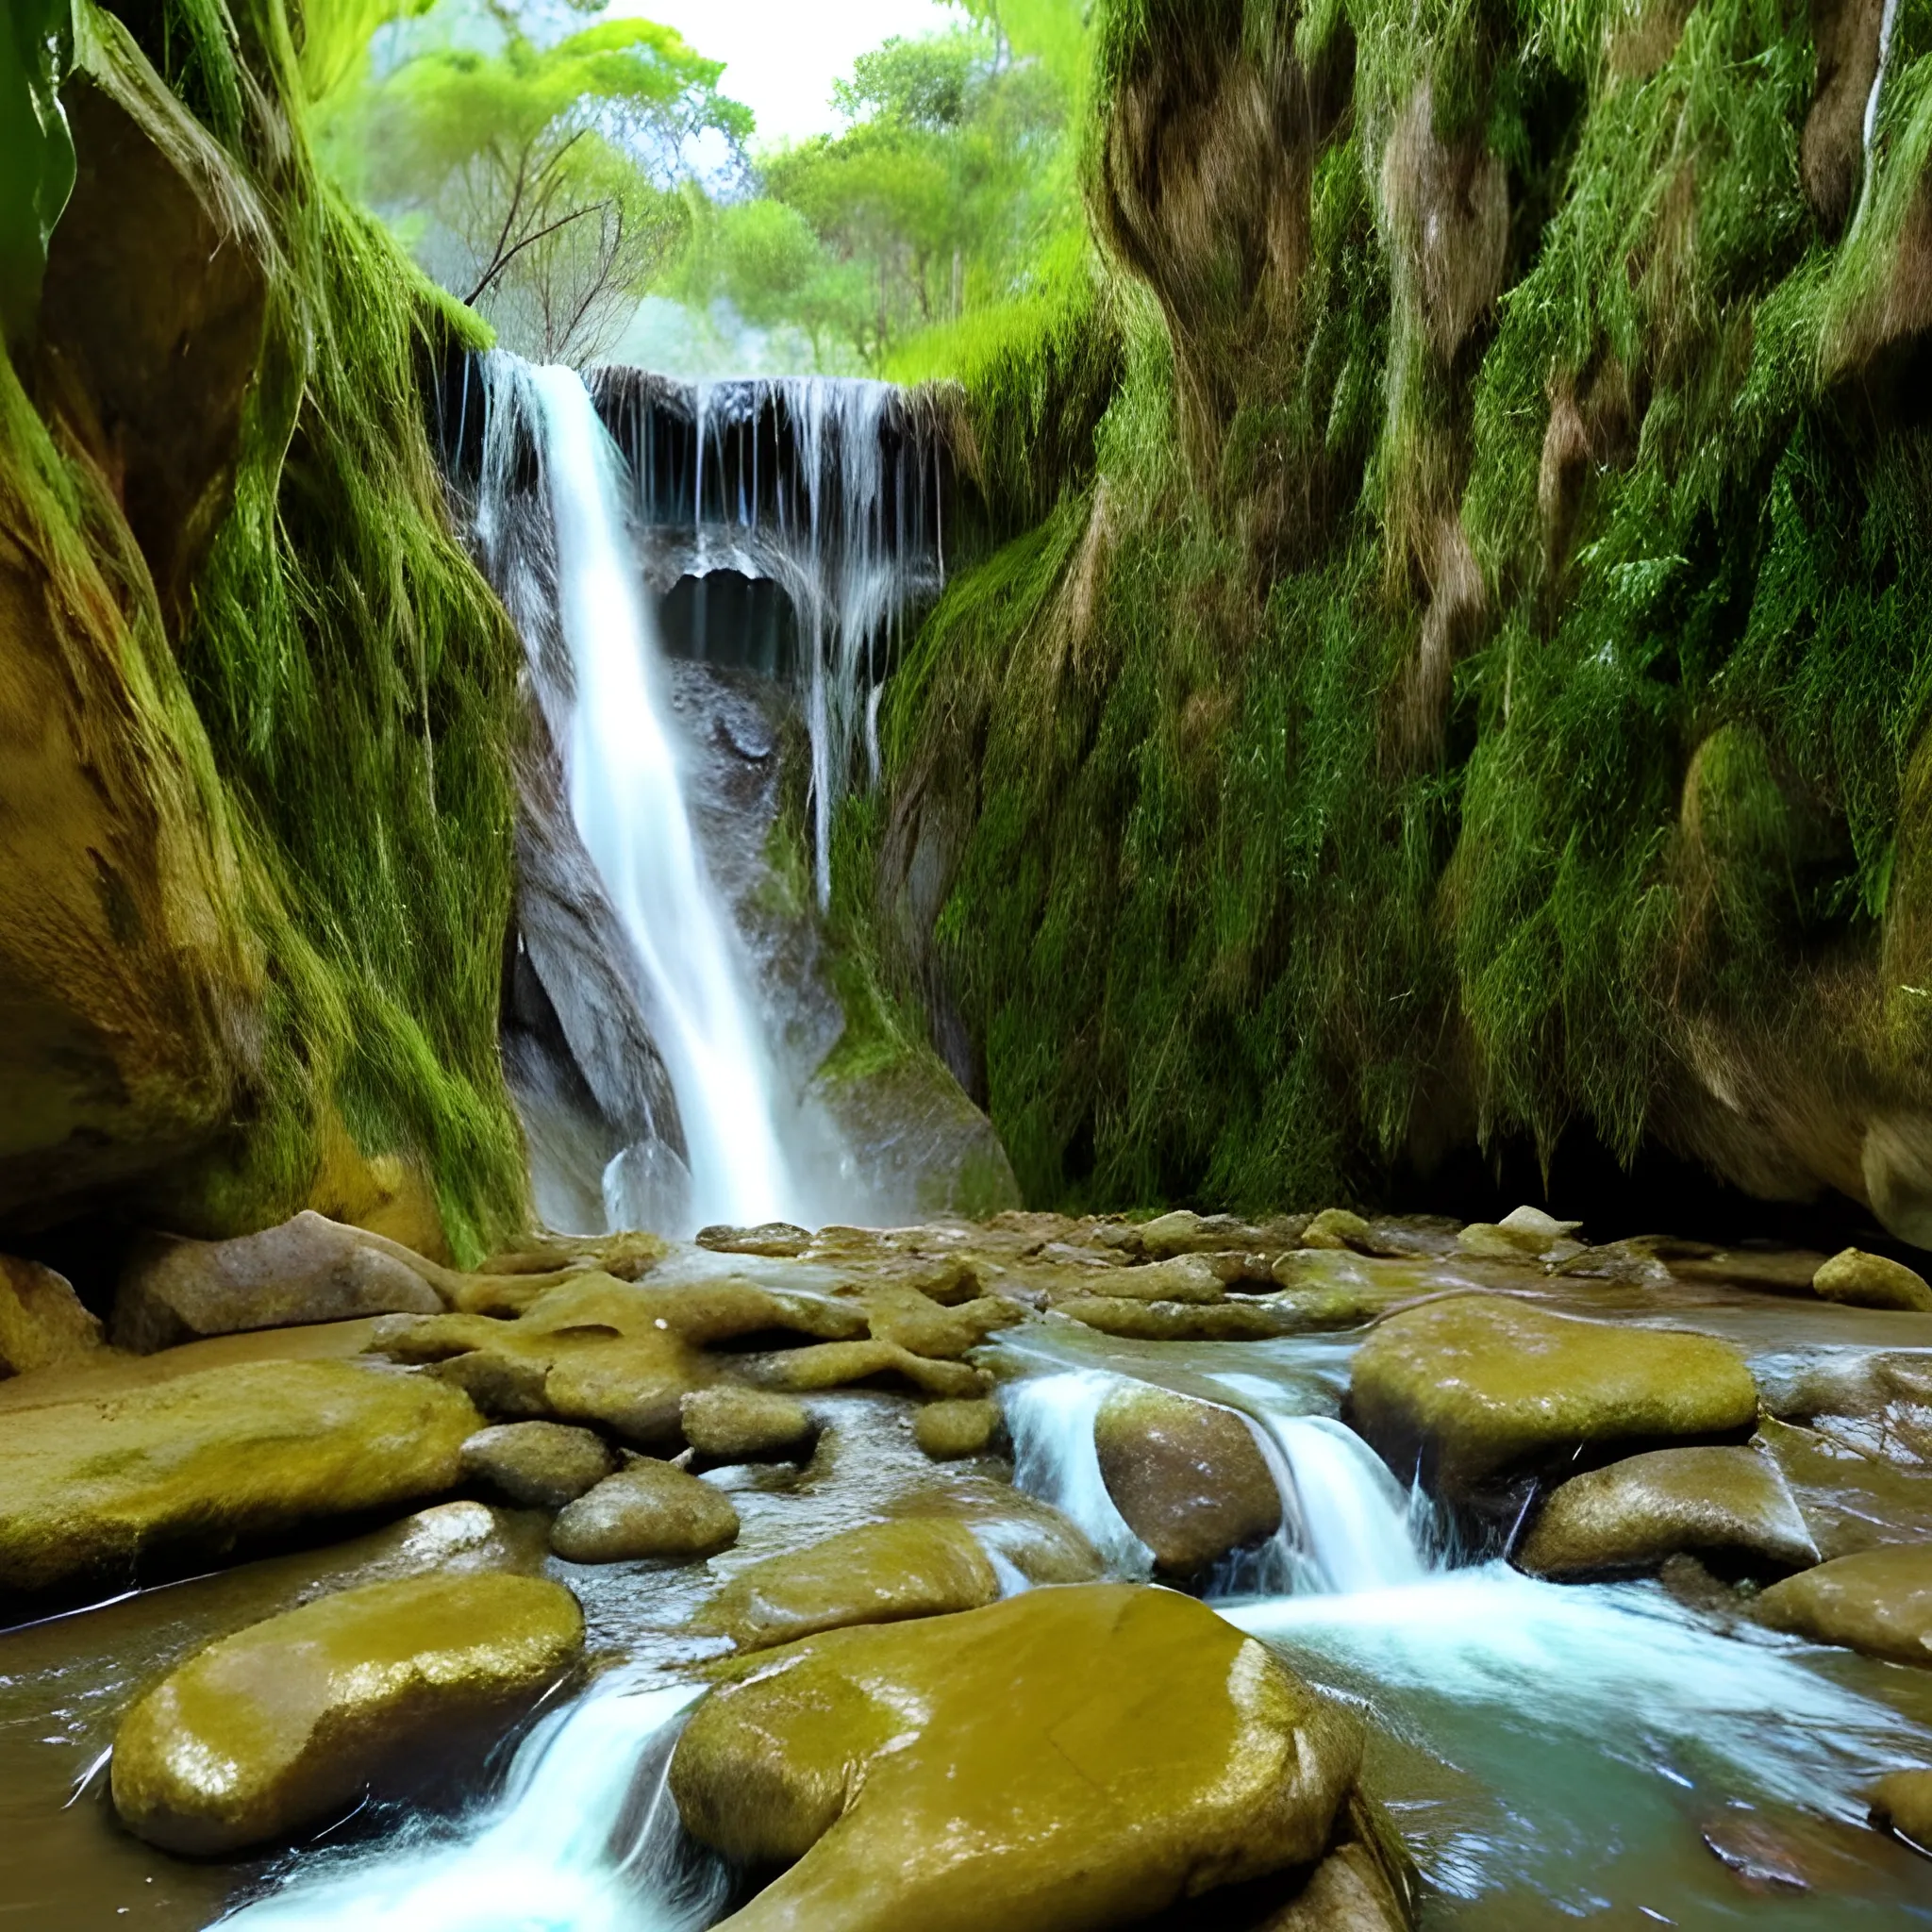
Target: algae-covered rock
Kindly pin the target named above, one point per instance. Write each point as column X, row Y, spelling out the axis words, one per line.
column 1478, row 1385
column 649, row 1509
column 1255, row 1318
column 309, row 1269
column 285, row 1723
column 948, row 1430
column 1878, row 1601
column 1872, row 1281
column 781, row 1239
column 537, row 1465
column 1632, row 1515
column 729, row 1425
column 1902, row 1803
column 1179, row 1278
column 1076, row 1757
column 921, row 1566
column 830, row 1364
column 1336, row 1227
column 87, row 1489
column 43, row 1322
column 1186, row 1476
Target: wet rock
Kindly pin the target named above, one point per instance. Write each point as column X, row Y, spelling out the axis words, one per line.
column 201, row 1462
column 1183, row 1232
column 922, row 1566
column 309, row 1269
column 1075, row 1758
column 775, row 1238
column 1632, row 1515
column 42, row 1323
column 1252, row 1318
column 1478, row 1384
column 1872, row 1281
column 1849, row 1501
column 1336, row 1227
column 1878, row 1602
column 911, row 1319
column 949, row 1430
column 1181, row 1278
column 649, row 1509
column 537, row 1465
column 504, row 1386
column 727, row 1425
column 1348, row 1891
column 284, row 1723
column 1525, row 1234
column 1186, row 1476
column 1778, row 1851
column 1902, row 1803
column 831, row 1364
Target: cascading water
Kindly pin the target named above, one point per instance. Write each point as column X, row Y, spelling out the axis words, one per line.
column 626, row 799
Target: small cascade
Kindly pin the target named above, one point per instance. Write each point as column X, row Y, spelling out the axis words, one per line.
column 1050, row 1419
column 578, row 595
column 586, row 1837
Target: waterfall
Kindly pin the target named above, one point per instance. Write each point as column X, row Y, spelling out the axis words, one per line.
column 586, row 1837
column 607, row 718
column 1050, row 1419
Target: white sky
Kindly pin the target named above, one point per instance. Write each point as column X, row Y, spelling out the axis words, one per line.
column 782, row 56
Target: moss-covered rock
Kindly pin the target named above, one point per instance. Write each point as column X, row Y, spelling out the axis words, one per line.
column 1475, row 1385
column 948, row 1430
column 195, row 1464
column 648, row 1509
column 285, row 1723
column 537, row 1465
column 1071, row 1759
column 1902, row 1803
column 43, row 1322
column 728, row 1424
column 1722, row 1501
column 1873, row 1281
column 1878, row 1601
column 922, row 1566
column 1186, row 1476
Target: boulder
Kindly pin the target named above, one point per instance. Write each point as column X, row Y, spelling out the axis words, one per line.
column 1629, row 1517
column 1878, row 1601
column 649, row 1509
column 1336, row 1227
column 537, row 1465
column 780, row 1238
column 830, row 1364
column 1179, row 1279
column 1902, row 1803
column 1348, row 1891
column 309, row 1269
column 43, row 1322
column 948, row 1430
column 1871, row 1281
column 202, row 1461
column 284, row 1723
column 1476, row 1385
column 1075, row 1758
column 1188, row 1476
column 1254, row 1318
column 729, row 1425
column 920, row 1566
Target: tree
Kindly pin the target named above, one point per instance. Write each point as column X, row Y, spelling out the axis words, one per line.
column 539, row 183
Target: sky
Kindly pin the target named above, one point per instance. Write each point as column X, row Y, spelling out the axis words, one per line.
column 782, row 56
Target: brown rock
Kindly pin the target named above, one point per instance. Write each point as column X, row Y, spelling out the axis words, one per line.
column 1072, row 1757
column 729, row 1425
column 1878, row 1602
column 42, row 1323
column 285, row 1723
column 1348, row 1891
column 1186, row 1476
column 948, row 1430
column 1632, row 1515
column 309, row 1269
column 1254, row 1318
column 779, row 1239
column 1871, row 1281
column 921, row 1566
column 537, row 1465
column 649, row 1509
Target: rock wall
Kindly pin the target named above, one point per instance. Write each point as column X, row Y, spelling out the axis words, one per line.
column 1467, row 692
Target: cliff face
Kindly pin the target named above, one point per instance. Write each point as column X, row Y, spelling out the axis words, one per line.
column 255, row 705
column 1470, row 685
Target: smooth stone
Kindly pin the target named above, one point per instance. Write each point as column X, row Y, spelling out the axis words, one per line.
column 1629, row 1517
column 1071, row 1758
column 1849, row 1501
column 649, row 1509
column 1179, row 1279
column 309, row 1269
column 949, row 1430
column 731, row 1425
column 1902, row 1803
column 832, row 1364
column 779, row 1240
column 537, row 1465
column 42, row 1323
column 1872, row 1281
column 1336, row 1227
column 201, row 1462
column 1254, row 1318
column 1475, row 1385
column 284, row 1723
column 1878, row 1601
column 917, row 1566
column 899, row 1313
column 1187, row 1476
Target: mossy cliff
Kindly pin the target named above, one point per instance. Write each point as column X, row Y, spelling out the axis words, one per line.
column 1446, row 662
column 257, row 709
